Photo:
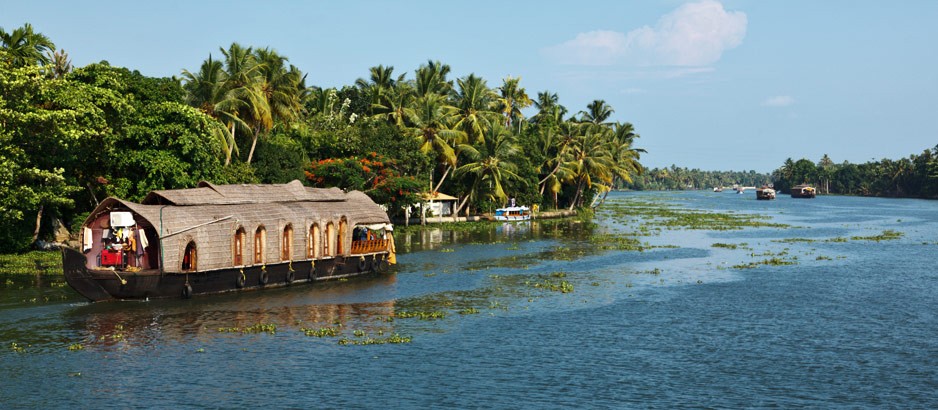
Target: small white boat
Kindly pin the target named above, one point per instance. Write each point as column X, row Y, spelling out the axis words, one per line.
column 513, row 213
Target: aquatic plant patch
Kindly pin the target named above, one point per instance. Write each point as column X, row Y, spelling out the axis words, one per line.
column 256, row 328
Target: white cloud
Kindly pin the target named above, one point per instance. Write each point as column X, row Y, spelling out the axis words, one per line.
column 779, row 101
column 695, row 34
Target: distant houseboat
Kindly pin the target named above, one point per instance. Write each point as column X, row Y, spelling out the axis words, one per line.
column 220, row 238
column 513, row 213
column 765, row 193
column 803, row 191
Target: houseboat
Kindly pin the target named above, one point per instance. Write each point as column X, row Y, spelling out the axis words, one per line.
column 765, row 193
column 513, row 213
column 803, row 191
column 221, row 238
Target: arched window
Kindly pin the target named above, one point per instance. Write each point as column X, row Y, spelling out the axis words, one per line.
column 286, row 243
column 330, row 239
column 340, row 236
column 240, row 240
column 313, row 244
column 189, row 258
column 260, row 237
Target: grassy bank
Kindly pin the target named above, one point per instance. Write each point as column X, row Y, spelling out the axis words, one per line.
column 31, row 263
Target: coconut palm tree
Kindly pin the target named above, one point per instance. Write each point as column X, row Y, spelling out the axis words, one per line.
column 549, row 109
column 398, row 105
column 597, row 112
column 473, row 103
column 625, row 156
column 279, row 90
column 553, row 144
column 493, row 168
column 591, row 159
column 208, row 90
column 513, row 98
column 380, row 84
column 25, row 46
column 431, row 122
column 431, row 79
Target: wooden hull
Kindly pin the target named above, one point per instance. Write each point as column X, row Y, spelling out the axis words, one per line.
column 513, row 218
column 765, row 195
column 807, row 195
column 104, row 284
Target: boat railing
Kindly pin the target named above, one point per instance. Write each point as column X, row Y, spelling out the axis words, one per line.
column 370, row 246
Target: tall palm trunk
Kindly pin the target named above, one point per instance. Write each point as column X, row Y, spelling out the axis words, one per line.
column 443, row 178
column 579, row 193
column 257, row 133
column 230, row 146
column 38, row 224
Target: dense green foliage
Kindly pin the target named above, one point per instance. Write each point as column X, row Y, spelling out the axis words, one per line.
column 70, row 137
column 915, row 176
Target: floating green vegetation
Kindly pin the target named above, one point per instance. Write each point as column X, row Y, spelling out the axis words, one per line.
column 562, row 286
column 447, row 250
column 659, row 214
column 31, row 263
column 321, row 332
column 469, row 311
column 257, row 328
column 794, row 240
column 392, row 339
column 886, row 235
column 75, row 346
column 200, row 350
column 513, row 247
column 17, row 348
column 770, row 262
column 724, row 245
column 823, row 258
column 607, row 241
column 422, row 315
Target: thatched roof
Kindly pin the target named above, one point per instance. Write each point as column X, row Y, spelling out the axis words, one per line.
column 211, row 214
column 208, row 193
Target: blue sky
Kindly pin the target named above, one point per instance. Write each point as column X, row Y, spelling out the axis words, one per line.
column 715, row 85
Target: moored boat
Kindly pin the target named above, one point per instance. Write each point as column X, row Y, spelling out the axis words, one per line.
column 220, row 238
column 803, row 191
column 513, row 213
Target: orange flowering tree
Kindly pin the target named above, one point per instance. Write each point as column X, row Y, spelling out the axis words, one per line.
column 373, row 174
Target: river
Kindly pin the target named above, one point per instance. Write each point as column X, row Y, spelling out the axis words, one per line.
column 835, row 306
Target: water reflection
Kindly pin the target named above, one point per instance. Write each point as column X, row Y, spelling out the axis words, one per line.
column 141, row 324
column 415, row 239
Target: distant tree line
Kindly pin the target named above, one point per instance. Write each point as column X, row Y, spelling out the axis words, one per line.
column 70, row 137
column 915, row 176
column 676, row 178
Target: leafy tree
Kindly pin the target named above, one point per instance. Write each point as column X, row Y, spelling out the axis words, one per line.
column 280, row 159
column 373, row 174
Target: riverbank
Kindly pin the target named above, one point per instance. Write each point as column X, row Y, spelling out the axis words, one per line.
column 560, row 213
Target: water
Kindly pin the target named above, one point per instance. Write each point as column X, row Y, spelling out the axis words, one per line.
column 851, row 324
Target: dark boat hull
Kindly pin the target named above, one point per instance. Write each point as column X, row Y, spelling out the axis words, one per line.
column 102, row 284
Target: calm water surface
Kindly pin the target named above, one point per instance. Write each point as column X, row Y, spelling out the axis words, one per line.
column 851, row 324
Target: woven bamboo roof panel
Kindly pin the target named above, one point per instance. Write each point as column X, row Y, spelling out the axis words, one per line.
column 208, row 193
